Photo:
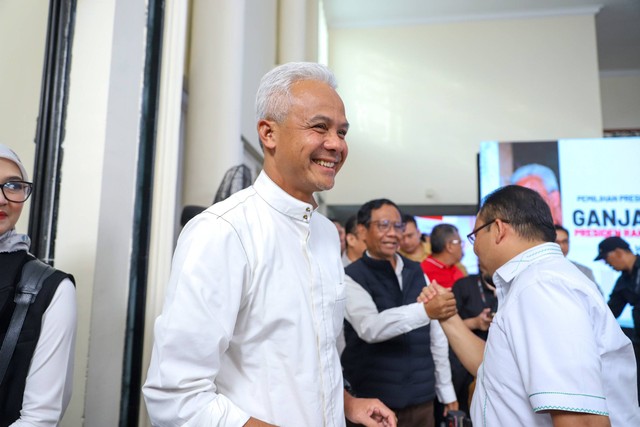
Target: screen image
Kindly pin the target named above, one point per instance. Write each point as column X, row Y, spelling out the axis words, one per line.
column 592, row 187
column 464, row 224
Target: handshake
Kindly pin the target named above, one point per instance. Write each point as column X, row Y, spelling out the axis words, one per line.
column 439, row 302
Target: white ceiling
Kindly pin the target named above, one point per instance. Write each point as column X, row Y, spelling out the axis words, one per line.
column 617, row 21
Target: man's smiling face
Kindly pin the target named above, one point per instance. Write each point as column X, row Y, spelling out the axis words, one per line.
column 308, row 146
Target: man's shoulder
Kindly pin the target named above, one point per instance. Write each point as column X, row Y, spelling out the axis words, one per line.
column 584, row 269
column 430, row 265
column 557, row 275
column 240, row 200
column 355, row 266
column 465, row 282
column 227, row 216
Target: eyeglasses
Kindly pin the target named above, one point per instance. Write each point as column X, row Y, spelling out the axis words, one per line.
column 457, row 242
column 472, row 236
column 384, row 225
column 16, row 191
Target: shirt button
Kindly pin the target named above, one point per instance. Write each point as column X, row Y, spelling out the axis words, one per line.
column 308, row 209
column 305, row 216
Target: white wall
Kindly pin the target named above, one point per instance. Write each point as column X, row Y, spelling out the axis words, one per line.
column 620, row 99
column 22, row 58
column 259, row 57
column 97, row 194
column 420, row 99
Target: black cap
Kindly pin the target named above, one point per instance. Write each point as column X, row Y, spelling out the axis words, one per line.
column 610, row 244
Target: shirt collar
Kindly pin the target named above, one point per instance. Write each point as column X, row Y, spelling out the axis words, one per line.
column 399, row 264
column 432, row 260
column 505, row 275
column 282, row 201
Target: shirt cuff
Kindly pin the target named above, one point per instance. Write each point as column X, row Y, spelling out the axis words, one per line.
column 570, row 402
column 446, row 393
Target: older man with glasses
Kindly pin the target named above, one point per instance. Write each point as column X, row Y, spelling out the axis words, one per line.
column 394, row 352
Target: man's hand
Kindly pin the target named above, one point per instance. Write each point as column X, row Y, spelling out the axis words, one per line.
column 257, row 423
column 453, row 406
column 428, row 293
column 368, row 412
column 442, row 305
column 481, row 322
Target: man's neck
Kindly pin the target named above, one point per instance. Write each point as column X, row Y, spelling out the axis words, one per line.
column 353, row 255
column 631, row 263
column 443, row 258
column 417, row 252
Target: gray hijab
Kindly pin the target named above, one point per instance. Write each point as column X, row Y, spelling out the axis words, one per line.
column 12, row 241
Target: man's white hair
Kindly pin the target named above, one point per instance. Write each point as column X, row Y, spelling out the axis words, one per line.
column 274, row 94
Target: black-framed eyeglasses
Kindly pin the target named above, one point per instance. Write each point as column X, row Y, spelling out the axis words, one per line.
column 472, row 236
column 16, row 191
column 384, row 225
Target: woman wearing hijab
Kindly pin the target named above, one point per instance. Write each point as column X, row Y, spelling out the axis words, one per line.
column 36, row 386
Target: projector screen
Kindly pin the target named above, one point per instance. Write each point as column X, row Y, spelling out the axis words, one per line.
column 591, row 185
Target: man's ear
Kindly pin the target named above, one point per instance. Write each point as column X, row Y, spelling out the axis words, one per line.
column 502, row 230
column 266, row 129
column 362, row 232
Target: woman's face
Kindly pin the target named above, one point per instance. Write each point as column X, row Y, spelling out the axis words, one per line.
column 9, row 211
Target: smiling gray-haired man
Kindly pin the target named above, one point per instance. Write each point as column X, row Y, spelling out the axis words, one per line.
column 247, row 335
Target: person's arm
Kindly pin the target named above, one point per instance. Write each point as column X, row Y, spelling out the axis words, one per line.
column 465, row 344
column 374, row 326
column 368, row 412
column 209, row 278
column 257, row 423
column 616, row 302
column 49, row 382
column 577, row 419
column 440, row 353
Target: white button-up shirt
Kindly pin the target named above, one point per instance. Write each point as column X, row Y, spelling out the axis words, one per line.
column 373, row 326
column 553, row 345
column 253, row 307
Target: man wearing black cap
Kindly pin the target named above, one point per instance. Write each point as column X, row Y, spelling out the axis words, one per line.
column 617, row 254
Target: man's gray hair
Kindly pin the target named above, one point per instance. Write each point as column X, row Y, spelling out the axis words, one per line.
column 274, row 94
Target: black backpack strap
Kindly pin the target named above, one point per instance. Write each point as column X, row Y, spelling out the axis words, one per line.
column 34, row 273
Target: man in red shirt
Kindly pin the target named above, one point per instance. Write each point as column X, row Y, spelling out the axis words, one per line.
column 446, row 252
